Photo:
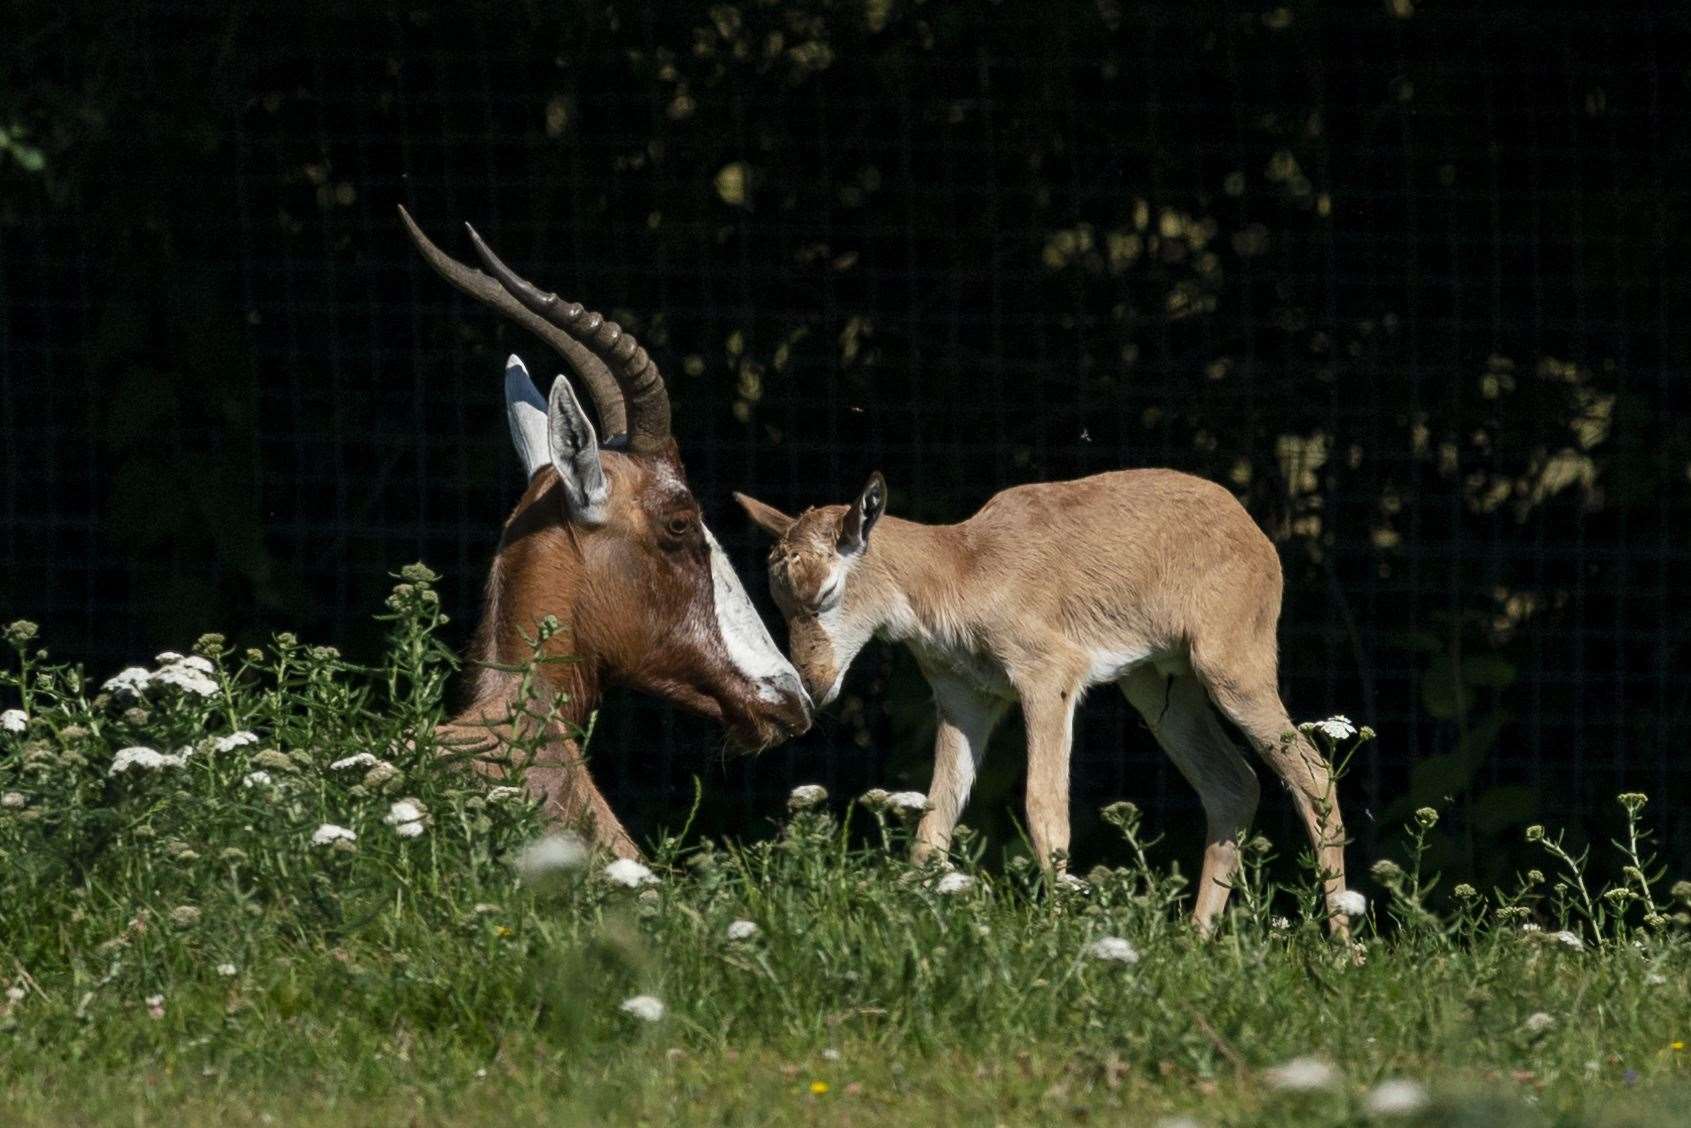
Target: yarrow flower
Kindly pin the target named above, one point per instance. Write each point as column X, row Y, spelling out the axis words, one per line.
column 257, row 779
column 1113, row 949
column 907, row 802
column 361, row 760
column 743, row 930
column 13, row 800
column 629, row 873
column 15, row 994
column 1538, row 1022
column 1569, row 939
column 14, row 720
column 502, row 793
column 184, row 916
column 233, row 741
column 147, row 759
column 406, row 817
column 647, row 1008
column 547, row 857
column 953, row 883
column 805, row 796
column 1303, row 1075
column 1336, row 727
column 190, row 675
column 328, row 834
column 155, row 1006
column 133, row 680
column 228, row 970
column 1349, row 902
column 1397, row 1096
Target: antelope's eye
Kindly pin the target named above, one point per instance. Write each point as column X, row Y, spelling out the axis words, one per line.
column 679, row 526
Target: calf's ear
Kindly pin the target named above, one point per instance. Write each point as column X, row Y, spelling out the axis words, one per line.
column 766, row 517
column 861, row 517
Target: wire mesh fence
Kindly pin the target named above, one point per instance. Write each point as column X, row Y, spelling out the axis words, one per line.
column 1408, row 277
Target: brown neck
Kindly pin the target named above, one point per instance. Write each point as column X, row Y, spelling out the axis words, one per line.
column 921, row 571
column 533, row 550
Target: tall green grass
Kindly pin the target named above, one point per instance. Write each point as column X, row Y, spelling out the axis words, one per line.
column 245, row 886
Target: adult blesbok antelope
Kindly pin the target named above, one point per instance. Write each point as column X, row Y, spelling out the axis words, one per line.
column 608, row 540
column 1154, row 580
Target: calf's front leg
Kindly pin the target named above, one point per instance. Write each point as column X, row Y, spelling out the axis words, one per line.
column 1048, row 712
column 966, row 720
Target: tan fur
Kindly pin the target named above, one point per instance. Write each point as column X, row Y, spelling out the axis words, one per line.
column 1152, row 579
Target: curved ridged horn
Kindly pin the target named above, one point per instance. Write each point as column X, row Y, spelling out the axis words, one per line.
column 635, row 372
column 601, row 384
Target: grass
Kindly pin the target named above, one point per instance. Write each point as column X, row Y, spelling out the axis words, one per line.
column 176, row 949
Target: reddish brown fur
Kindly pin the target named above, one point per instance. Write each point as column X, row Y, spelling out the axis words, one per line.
column 633, row 599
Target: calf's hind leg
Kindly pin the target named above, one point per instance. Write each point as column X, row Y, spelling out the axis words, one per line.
column 1245, row 692
column 1181, row 716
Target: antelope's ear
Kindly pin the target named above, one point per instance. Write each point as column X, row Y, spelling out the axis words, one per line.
column 572, row 447
column 861, row 517
column 766, row 517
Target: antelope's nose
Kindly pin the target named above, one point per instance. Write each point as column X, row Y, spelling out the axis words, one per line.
column 792, row 703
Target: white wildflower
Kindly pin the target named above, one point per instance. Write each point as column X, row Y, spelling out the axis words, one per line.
column 907, row 802
column 648, row 1008
column 1569, row 939
column 1069, row 882
column 743, row 930
column 361, row 760
column 1113, row 949
column 328, row 834
column 1396, row 1097
column 629, row 873
column 228, row 970
column 1303, row 1075
column 1532, row 926
column 15, row 994
column 167, row 658
column 1349, row 902
column 187, row 679
column 133, row 680
column 1335, row 728
column 406, row 818
column 551, row 855
column 502, row 793
column 831, row 1054
column 1280, row 924
column 807, row 795
column 155, row 1006
column 144, row 758
column 1655, row 979
column 14, row 720
column 954, row 883
column 195, row 662
column 257, row 779
column 1178, row 1122
column 1538, row 1022
column 13, row 800
column 233, row 741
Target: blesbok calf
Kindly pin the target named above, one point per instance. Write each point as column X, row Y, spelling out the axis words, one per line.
column 608, row 540
column 1154, row 580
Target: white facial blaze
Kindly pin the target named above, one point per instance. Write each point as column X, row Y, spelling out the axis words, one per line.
column 747, row 640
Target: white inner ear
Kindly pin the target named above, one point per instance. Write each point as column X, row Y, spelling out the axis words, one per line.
column 744, row 636
column 526, row 413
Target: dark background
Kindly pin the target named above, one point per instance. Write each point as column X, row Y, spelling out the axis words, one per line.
column 1410, row 276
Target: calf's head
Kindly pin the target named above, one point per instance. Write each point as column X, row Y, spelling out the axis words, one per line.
column 832, row 596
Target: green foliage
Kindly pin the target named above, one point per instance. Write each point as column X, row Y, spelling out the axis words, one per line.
column 289, row 882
